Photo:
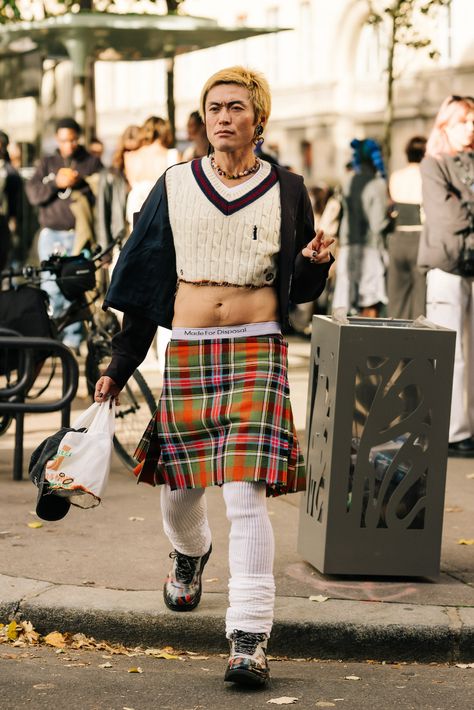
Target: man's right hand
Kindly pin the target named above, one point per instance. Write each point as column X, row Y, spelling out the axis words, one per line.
column 105, row 388
column 66, row 177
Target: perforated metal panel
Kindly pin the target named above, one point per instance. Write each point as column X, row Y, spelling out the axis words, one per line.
column 377, row 423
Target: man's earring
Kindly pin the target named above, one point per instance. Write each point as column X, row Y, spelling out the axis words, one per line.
column 258, row 133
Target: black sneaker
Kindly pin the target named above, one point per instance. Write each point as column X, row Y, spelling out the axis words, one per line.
column 248, row 663
column 462, row 449
column 182, row 589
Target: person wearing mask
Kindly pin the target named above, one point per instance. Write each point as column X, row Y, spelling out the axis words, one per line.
column 219, row 249
column 447, row 174
column 406, row 284
column 57, row 186
column 360, row 274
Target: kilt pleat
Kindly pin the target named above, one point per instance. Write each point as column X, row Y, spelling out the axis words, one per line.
column 224, row 415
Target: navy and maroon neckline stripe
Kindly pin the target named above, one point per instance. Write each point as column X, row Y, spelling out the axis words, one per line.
column 228, row 207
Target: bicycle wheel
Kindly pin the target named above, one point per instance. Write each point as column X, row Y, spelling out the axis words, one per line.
column 136, row 408
column 5, row 421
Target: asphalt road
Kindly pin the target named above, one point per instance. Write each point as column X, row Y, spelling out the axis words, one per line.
column 41, row 678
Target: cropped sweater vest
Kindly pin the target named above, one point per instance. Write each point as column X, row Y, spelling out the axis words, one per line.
column 224, row 235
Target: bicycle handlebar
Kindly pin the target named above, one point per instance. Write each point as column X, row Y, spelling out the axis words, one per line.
column 53, row 264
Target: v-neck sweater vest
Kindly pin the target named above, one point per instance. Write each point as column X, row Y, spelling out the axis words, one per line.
column 220, row 235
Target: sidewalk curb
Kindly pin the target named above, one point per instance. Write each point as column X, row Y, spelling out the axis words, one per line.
column 348, row 630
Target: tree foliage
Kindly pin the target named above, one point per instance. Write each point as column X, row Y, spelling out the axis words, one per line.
column 403, row 24
column 17, row 10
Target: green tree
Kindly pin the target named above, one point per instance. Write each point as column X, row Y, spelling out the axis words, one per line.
column 12, row 10
column 400, row 19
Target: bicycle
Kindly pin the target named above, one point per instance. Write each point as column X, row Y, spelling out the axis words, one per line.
column 78, row 284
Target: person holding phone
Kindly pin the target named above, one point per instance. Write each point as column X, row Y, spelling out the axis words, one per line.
column 220, row 247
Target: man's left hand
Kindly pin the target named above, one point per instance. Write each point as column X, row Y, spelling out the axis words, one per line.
column 317, row 250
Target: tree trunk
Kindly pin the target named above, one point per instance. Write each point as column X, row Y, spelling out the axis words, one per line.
column 389, row 109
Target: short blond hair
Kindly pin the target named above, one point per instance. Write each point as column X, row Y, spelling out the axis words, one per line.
column 253, row 81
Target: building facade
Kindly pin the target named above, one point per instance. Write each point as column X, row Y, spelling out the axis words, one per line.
column 327, row 74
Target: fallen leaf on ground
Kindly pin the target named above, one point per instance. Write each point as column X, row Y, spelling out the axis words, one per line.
column 105, row 665
column 351, row 677
column 318, row 598
column 76, row 665
column 12, row 631
column 134, row 518
column 453, row 509
column 284, row 700
column 55, row 639
column 463, row 541
column 35, row 524
column 165, row 653
column 464, row 665
column 135, row 669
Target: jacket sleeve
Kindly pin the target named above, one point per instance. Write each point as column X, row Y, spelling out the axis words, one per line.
column 41, row 188
column 129, row 347
column 308, row 279
column 443, row 208
column 445, row 218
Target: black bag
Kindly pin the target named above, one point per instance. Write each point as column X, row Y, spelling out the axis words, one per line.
column 25, row 310
column 466, row 256
column 75, row 276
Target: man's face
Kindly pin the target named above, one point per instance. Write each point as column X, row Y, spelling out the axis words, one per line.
column 230, row 117
column 68, row 140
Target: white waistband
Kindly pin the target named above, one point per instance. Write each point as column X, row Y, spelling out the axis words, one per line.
column 226, row 331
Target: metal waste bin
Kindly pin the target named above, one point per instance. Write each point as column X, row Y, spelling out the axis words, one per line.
column 377, row 424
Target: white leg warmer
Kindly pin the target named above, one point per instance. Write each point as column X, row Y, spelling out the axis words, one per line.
column 185, row 523
column 251, row 553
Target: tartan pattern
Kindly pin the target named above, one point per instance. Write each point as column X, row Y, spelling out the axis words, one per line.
column 224, row 415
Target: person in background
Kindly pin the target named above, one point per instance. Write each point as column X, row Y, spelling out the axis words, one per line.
column 96, row 147
column 197, row 136
column 221, row 245
column 57, row 184
column 11, row 191
column 145, row 165
column 130, row 140
column 360, row 273
column 406, row 284
column 447, row 174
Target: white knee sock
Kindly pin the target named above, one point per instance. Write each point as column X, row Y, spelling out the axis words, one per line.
column 185, row 523
column 251, row 553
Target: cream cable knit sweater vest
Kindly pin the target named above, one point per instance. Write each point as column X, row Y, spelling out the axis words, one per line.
column 220, row 235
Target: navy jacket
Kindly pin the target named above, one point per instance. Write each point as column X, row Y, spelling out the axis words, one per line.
column 144, row 281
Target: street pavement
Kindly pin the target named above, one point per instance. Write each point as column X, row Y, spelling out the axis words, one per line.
column 101, row 571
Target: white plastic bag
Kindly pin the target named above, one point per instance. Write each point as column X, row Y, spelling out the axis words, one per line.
column 80, row 468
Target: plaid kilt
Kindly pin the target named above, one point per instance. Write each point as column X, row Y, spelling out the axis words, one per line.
column 224, row 415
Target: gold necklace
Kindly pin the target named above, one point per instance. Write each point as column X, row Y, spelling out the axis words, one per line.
column 237, row 176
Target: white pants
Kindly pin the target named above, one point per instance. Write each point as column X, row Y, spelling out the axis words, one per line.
column 360, row 277
column 251, row 547
column 450, row 303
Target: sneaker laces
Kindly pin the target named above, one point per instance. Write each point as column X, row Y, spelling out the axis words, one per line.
column 246, row 642
column 185, row 566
